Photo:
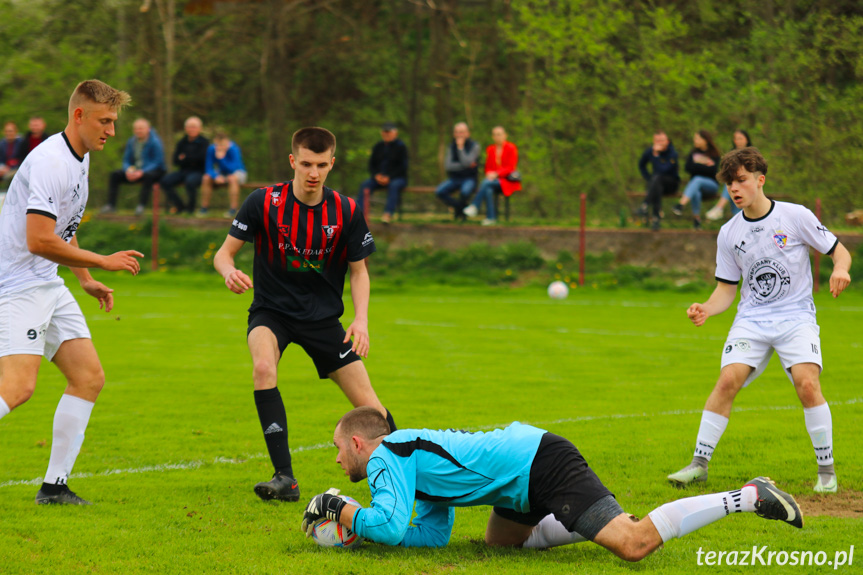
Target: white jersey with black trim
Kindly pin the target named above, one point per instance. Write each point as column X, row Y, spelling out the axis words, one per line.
column 51, row 181
column 771, row 255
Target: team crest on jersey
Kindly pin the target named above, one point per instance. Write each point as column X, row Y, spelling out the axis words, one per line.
column 780, row 238
column 330, row 231
column 276, row 198
column 769, row 281
column 285, row 229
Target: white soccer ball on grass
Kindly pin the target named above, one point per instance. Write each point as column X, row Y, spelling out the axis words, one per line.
column 328, row 533
column 558, row 290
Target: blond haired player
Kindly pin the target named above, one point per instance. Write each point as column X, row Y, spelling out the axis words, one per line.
column 38, row 315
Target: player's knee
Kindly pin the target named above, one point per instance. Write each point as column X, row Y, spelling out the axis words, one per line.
column 497, row 541
column 808, row 388
column 20, row 393
column 634, row 548
column 264, row 373
column 89, row 381
column 728, row 386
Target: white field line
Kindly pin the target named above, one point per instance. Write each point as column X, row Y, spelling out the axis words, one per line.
column 168, row 466
column 577, row 331
column 318, row 446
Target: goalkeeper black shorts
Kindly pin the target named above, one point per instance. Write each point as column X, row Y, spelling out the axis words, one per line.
column 562, row 484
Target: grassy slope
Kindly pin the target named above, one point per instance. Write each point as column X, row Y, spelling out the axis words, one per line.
column 622, row 374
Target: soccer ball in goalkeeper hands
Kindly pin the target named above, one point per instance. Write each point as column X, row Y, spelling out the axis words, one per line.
column 328, row 533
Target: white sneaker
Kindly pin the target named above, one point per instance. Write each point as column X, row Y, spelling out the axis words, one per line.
column 831, row 487
column 688, row 474
column 488, row 222
column 714, row 213
column 470, row 211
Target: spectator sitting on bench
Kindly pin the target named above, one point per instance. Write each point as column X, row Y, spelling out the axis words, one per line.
column 501, row 177
column 460, row 162
column 224, row 167
column 143, row 161
column 740, row 140
column 663, row 178
column 702, row 163
column 33, row 138
column 190, row 156
column 388, row 168
column 9, row 148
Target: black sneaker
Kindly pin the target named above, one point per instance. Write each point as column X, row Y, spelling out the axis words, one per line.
column 677, row 210
column 773, row 503
column 64, row 496
column 696, row 224
column 281, row 487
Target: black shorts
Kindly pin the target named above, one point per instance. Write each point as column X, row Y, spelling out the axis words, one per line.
column 321, row 340
column 561, row 483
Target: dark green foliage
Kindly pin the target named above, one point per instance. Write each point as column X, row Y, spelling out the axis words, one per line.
column 580, row 85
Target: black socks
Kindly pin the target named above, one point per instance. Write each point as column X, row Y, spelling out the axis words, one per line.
column 391, row 421
column 274, row 423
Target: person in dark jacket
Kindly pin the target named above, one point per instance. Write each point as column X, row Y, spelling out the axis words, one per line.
column 388, row 168
column 663, row 177
column 190, row 157
column 461, row 161
column 33, row 138
column 702, row 163
column 9, row 148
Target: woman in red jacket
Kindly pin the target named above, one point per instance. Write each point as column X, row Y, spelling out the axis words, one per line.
column 500, row 163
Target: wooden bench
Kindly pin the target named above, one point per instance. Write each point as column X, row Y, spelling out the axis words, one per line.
column 428, row 190
column 420, row 190
column 636, row 199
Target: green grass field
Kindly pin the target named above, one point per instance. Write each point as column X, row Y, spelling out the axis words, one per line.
column 174, row 446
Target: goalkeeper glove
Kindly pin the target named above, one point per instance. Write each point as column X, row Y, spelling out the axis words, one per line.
column 325, row 505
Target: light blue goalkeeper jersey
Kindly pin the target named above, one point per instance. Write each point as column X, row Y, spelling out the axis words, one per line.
column 440, row 470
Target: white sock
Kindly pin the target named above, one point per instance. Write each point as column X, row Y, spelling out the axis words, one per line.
column 70, row 421
column 4, row 409
column 819, row 424
column 551, row 533
column 709, row 433
column 684, row 516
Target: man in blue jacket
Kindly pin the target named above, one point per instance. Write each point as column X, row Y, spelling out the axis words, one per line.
column 542, row 491
column 662, row 179
column 143, row 161
column 223, row 167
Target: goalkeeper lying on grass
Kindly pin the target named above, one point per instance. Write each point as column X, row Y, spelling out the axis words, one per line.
column 543, row 492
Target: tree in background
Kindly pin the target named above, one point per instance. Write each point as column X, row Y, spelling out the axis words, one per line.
column 579, row 84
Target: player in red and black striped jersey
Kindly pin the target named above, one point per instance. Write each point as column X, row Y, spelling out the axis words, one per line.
column 306, row 237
